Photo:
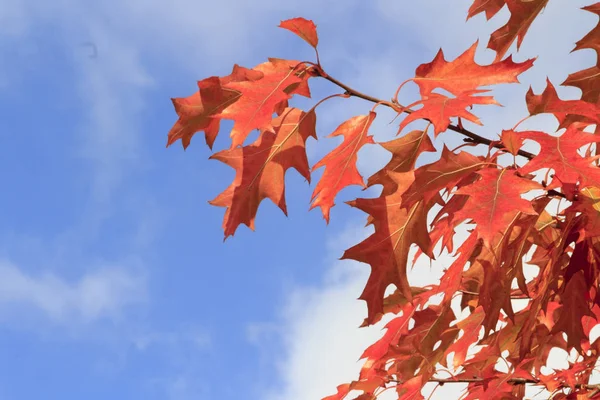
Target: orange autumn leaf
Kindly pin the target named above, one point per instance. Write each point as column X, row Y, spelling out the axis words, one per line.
column 445, row 173
column 575, row 307
column 512, row 141
column 489, row 7
column 495, row 200
column 199, row 112
column 340, row 164
column 438, row 109
column 261, row 166
column 549, row 102
column 522, row 14
column 405, row 151
column 560, row 154
column 302, row 27
column 258, row 99
column 592, row 39
column 464, row 75
column 386, row 250
column 470, row 327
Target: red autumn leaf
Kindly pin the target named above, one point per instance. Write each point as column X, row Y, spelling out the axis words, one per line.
column 442, row 174
column 512, row 141
column 302, row 27
column 586, row 80
column 199, row 111
column 342, row 391
column 574, row 307
column 395, row 328
column 522, row 14
column 471, row 326
column 340, row 164
column 549, row 102
column 259, row 99
column 405, row 151
column 260, row 168
column 495, row 200
column 490, row 7
column 574, row 375
column 588, row 204
column 277, row 65
column 560, row 154
column 411, row 389
column 196, row 115
column 464, row 75
column 433, row 324
column 438, row 109
column 592, row 39
column 452, row 278
column 394, row 303
column 386, row 250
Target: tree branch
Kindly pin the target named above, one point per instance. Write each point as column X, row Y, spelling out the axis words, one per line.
column 515, row 294
column 471, row 137
column 512, row 381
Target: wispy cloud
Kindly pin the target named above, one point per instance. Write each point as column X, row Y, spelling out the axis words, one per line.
column 321, row 342
column 103, row 293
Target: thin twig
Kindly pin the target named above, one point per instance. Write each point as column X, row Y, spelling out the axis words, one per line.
column 397, row 107
column 512, row 381
column 514, row 296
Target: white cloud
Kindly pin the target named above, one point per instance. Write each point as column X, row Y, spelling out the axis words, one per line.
column 320, row 335
column 319, row 328
column 104, row 293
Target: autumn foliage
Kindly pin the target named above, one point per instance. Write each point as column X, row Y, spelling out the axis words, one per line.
column 511, row 206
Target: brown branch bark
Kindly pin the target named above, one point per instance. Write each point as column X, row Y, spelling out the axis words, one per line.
column 470, row 136
column 515, row 294
column 512, row 381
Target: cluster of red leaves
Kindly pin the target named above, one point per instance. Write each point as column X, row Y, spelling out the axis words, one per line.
column 563, row 300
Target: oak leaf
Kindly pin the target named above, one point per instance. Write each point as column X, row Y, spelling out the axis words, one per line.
column 512, row 141
column 340, row 163
column 592, row 39
column 549, row 102
column 522, row 14
column 560, row 154
column 586, row 80
column 199, row 112
column 302, row 27
column 574, row 307
column 261, row 166
column 464, row 75
column 259, row 99
column 386, row 250
column 405, row 151
column 490, row 7
column 442, row 174
column 471, row 326
column 588, row 204
column 438, row 109
column 495, row 201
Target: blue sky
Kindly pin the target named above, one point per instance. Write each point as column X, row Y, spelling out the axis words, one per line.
column 114, row 278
